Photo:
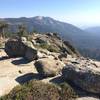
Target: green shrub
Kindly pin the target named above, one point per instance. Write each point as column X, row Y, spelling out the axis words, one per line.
column 37, row 90
column 67, row 93
column 0, row 44
column 53, row 48
column 34, row 90
column 50, row 48
column 44, row 46
column 8, row 34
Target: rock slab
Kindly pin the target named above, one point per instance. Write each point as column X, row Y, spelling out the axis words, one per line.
column 87, row 79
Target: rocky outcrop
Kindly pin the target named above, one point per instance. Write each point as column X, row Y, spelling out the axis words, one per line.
column 53, row 43
column 15, row 48
column 50, row 54
column 84, row 77
column 31, row 52
column 20, row 48
column 48, row 67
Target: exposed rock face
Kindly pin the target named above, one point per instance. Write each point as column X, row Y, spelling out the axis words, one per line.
column 41, row 55
column 84, row 77
column 20, row 48
column 23, row 39
column 56, row 43
column 31, row 52
column 15, row 48
column 87, row 98
column 73, row 49
column 62, row 55
column 48, row 67
column 41, row 40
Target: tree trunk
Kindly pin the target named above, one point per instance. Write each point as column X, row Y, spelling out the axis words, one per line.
column 3, row 33
column 0, row 33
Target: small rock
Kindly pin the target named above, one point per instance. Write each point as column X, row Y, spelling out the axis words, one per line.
column 23, row 39
column 20, row 71
column 41, row 55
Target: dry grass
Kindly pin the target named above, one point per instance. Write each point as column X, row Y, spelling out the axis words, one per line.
column 37, row 90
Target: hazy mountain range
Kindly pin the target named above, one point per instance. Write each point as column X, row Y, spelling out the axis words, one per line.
column 84, row 40
column 94, row 30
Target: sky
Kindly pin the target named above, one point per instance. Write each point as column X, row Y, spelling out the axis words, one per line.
column 82, row 13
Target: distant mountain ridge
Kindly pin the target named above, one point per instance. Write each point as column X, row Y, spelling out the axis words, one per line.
column 40, row 23
column 81, row 39
column 47, row 24
column 95, row 30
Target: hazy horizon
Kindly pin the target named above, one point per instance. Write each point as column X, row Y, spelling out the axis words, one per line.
column 82, row 13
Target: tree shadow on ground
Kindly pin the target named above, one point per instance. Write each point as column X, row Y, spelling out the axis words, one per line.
column 27, row 77
column 20, row 61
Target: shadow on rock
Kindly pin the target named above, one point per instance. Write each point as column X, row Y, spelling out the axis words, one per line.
column 20, row 61
column 81, row 92
column 27, row 77
column 57, row 80
column 78, row 90
column 4, row 58
column 1, row 48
